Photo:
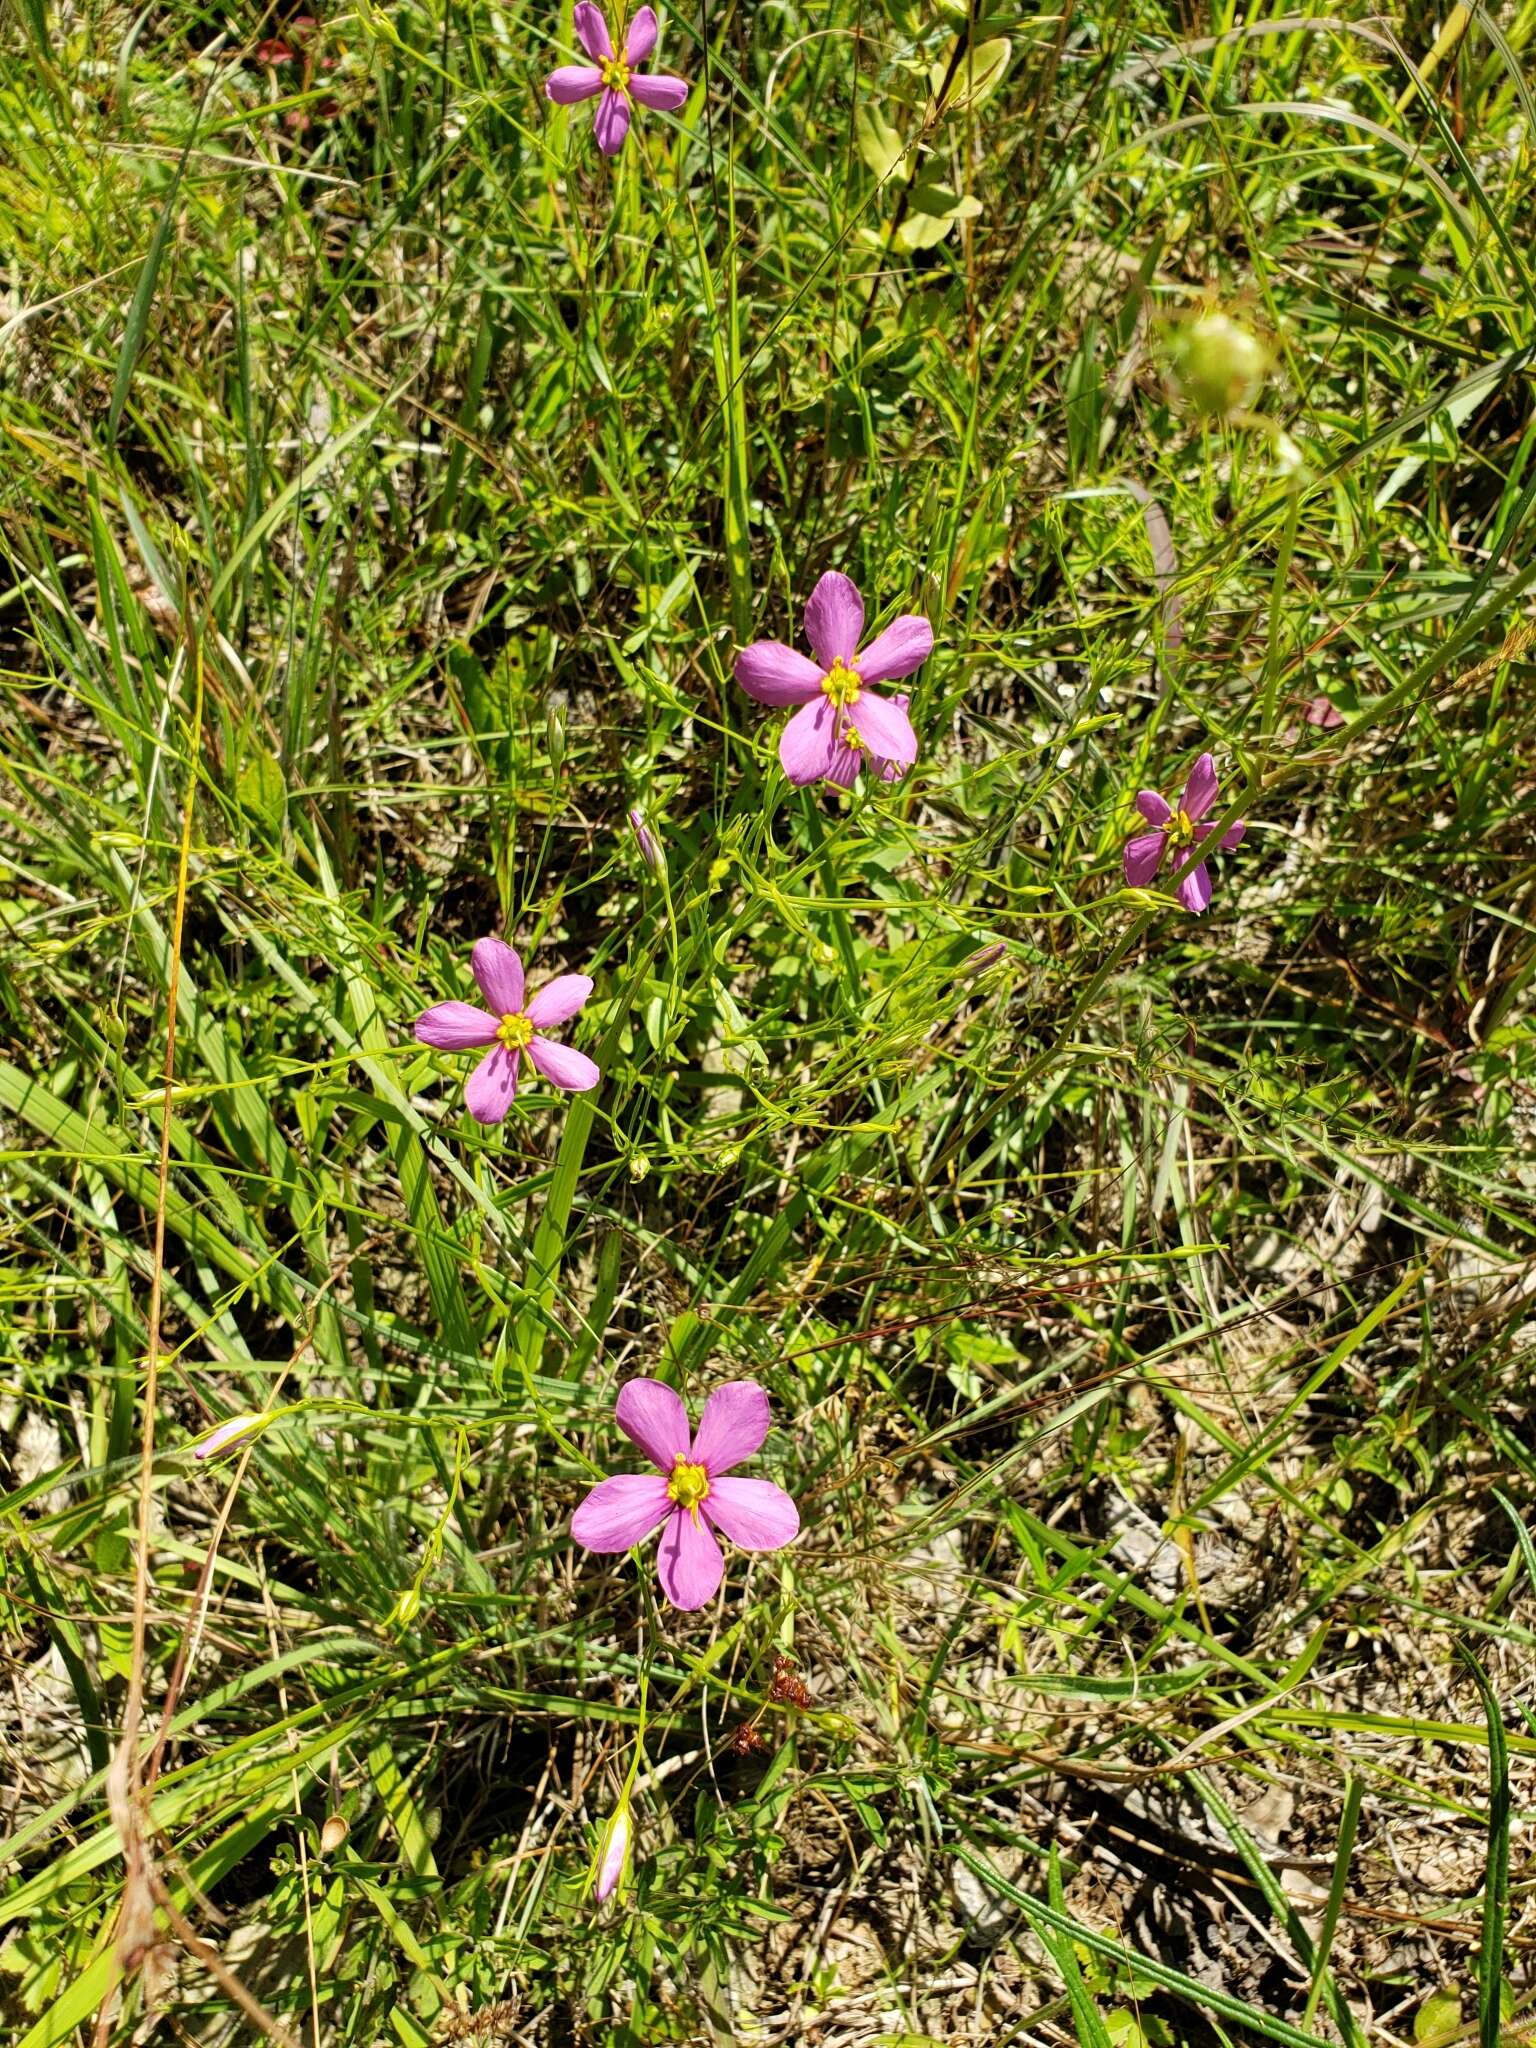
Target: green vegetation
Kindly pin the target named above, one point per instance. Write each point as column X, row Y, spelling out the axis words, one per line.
column 388, row 482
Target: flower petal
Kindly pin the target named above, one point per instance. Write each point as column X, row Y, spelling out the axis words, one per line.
column 1201, row 789
column 564, row 1066
column 688, row 1561
column 776, row 674
column 573, row 82
column 1233, row 836
column 904, row 646
column 558, row 999
column 641, row 40
column 1143, row 858
column 834, row 619
column 610, row 124
column 591, row 30
column 1195, row 889
column 892, row 771
column 500, row 975
column 732, row 1426
column 754, row 1513
column 1155, row 809
column 490, row 1088
column 846, row 763
column 619, row 1513
column 884, row 728
column 456, row 1027
column 658, row 89
column 651, row 1414
column 808, row 744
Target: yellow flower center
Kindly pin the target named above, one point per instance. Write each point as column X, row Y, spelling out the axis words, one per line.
column 615, row 74
column 514, row 1031
column 841, row 684
column 852, row 738
column 1180, row 828
column 688, row 1485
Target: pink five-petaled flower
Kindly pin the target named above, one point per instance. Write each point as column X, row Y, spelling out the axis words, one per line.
column 689, row 1492
column 1179, row 830
column 841, row 722
column 614, row 77
column 510, row 1027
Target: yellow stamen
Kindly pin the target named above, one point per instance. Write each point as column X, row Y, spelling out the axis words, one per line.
column 514, row 1031
column 689, row 1485
column 1180, row 828
column 852, row 738
column 615, row 73
column 841, row 684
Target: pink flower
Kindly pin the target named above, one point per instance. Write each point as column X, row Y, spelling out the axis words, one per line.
column 614, row 77
column 841, row 723
column 1324, row 712
column 692, row 1497
column 509, row 1027
column 1180, row 830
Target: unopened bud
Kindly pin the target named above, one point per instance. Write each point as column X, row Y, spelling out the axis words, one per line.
column 407, row 1607
column 988, row 956
column 612, row 1850
column 645, row 839
column 1216, row 365
column 227, row 1433
column 554, row 728
column 333, row 1834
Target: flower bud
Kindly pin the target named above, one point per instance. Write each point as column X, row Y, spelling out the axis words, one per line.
column 612, row 1850
column 554, row 730
column 645, row 839
column 334, row 1833
column 1216, row 365
column 227, row 1433
column 407, row 1607
column 988, row 956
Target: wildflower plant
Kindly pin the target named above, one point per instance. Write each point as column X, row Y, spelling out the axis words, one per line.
column 509, row 1027
column 613, row 78
column 1176, row 829
column 693, row 1497
column 842, row 724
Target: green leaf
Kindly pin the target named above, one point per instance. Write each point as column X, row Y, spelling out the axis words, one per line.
column 977, row 75
column 876, row 140
column 935, row 211
column 260, row 786
column 1438, row 2018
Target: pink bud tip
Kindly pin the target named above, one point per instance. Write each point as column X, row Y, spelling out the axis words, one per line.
column 650, row 852
column 226, row 1434
column 612, row 1851
column 987, row 957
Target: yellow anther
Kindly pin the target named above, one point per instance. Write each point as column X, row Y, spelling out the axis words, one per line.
column 514, row 1031
column 689, row 1485
column 841, row 684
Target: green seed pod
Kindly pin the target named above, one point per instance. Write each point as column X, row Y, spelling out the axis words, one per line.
column 1216, row 365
